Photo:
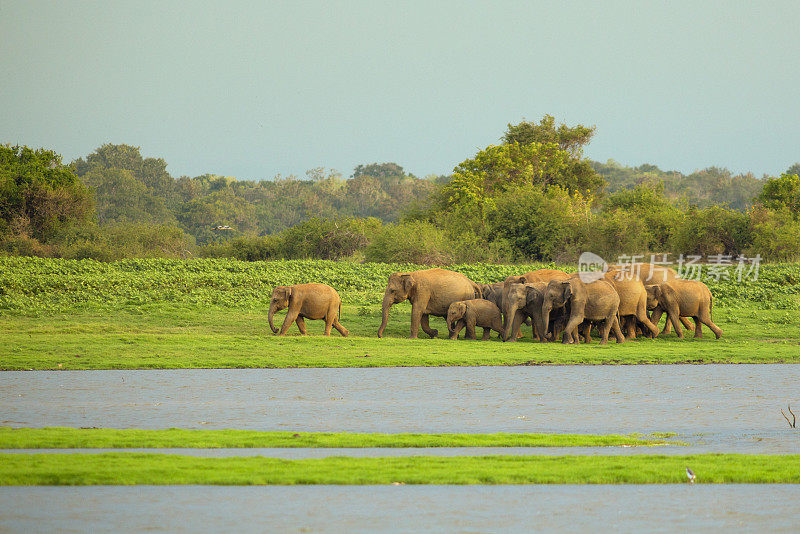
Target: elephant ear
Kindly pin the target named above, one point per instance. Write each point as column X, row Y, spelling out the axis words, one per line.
column 567, row 291
column 288, row 292
column 408, row 283
column 668, row 293
column 657, row 291
column 533, row 295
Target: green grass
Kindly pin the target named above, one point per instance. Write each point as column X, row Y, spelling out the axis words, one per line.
column 161, row 469
column 107, row 438
column 160, row 336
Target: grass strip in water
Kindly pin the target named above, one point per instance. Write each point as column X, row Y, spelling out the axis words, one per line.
column 109, row 438
column 162, row 469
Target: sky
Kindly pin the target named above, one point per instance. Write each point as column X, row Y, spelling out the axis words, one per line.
column 256, row 89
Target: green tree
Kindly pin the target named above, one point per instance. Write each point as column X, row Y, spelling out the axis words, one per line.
column 152, row 172
column 478, row 180
column 569, row 138
column 379, row 170
column 38, row 194
column 782, row 193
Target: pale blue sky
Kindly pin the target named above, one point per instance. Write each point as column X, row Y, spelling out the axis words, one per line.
column 255, row 89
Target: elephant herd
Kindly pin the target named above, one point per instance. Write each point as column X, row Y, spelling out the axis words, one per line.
column 555, row 303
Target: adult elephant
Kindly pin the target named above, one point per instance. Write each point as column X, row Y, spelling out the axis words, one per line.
column 649, row 274
column 306, row 301
column 594, row 301
column 632, row 303
column 680, row 299
column 525, row 301
column 431, row 291
column 537, row 276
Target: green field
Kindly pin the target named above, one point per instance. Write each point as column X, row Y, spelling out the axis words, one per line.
column 160, row 469
column 108, row 438
column 69, row 314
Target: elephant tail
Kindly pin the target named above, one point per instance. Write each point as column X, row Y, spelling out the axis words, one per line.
column 340, row 309
column 711, row 306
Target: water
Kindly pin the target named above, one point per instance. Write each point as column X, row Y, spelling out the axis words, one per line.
column 725, row 408
column 355, row 509
column 717, row 408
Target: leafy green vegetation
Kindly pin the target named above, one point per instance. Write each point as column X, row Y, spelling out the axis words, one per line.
column 108, row 438
column 33, row 286
column 162, row 469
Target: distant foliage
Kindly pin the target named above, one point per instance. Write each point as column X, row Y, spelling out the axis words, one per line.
column 703, row 188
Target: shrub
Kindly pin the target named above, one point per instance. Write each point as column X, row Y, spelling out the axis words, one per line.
column 712, row 230
column 776, row 235
column 410, row 242
column 328, row 239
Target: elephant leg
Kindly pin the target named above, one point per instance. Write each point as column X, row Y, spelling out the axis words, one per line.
column 617, row 330
column 641, row 317
column 291, row 317
column 457, row 329
column 687, row 323
column 518, row 320
column 426, row 327
column 705, row 318
column 607, row 324
column 676, row 322
column 698, row 328
column 328, row 323
column 301, row 324
column 571, row 329
column 630, row 326
column 487, row 333
column 587, row 332
column 655, row 317
column 471, row 328
column 340, row 328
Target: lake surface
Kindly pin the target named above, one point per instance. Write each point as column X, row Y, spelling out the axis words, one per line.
column 355, row 509
column 725, row 408
column 717, row 408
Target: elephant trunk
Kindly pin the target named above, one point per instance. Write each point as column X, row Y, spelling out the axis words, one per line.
column 509, row 326
column 272, row 307
column 387, row 303
column 545, row 321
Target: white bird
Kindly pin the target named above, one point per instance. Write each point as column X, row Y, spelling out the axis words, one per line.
column 690, row 474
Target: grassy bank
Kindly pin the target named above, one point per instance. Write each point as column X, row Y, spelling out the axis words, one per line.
column 107, row 438
column 59, row 314
column 156, row 337
column 161, row 469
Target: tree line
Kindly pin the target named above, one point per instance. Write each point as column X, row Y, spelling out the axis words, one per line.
column 533, row 196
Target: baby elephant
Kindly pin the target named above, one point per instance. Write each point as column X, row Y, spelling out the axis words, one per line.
column 307, row 301
column 472, row 313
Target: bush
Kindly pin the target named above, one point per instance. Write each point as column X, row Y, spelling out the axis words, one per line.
column 410, row 242
column 713, row 230
column 328, row 239
column 539, row 224
column 776, row 235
